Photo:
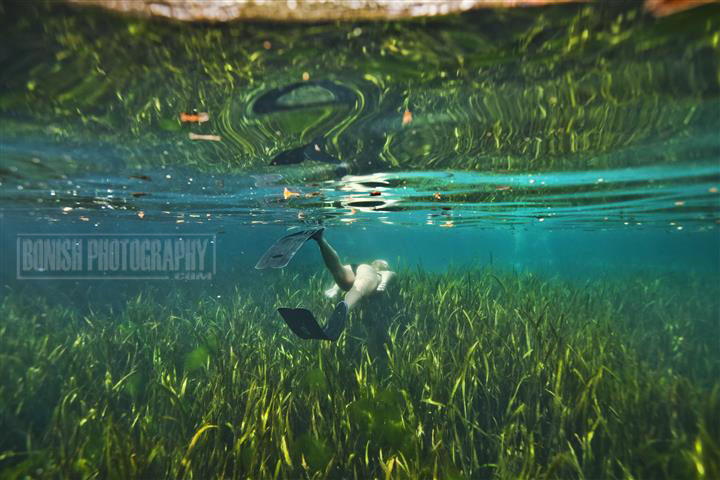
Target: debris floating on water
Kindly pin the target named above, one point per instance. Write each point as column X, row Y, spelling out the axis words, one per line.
column 141, row 214
column 209, row 138
column 289, row 194
column 201, row 117
column 375, row 193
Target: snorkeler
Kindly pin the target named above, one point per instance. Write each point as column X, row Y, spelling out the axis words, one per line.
column 357, row 281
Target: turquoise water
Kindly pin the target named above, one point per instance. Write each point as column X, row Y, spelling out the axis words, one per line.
column 544, row 182
column 570, row 223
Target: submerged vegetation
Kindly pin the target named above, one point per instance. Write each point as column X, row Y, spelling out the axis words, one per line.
column 508, row 89
column 472, row 374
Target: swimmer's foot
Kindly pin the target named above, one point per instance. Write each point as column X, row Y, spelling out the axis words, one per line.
column 336, row 324
column 317, row 236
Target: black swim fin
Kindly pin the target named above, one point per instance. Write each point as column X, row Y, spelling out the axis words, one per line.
column 282, row 251
column 303, row 324
column 289, row 157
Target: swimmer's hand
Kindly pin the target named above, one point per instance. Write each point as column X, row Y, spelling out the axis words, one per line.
column 385, row 277
column 332, row 291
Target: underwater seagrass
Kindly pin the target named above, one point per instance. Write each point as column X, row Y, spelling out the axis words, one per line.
column 483, row 374
column 544, row 181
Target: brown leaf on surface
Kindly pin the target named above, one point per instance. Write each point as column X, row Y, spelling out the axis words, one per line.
column 194, row 117
column 289, row 194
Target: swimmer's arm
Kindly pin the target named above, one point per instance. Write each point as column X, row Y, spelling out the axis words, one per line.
column 385, row 277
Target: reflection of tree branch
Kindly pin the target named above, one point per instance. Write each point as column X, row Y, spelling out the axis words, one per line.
column 317, row 10
column 668, row 7
column 302, row 10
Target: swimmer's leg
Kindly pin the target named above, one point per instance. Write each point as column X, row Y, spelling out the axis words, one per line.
column 366, row 282
column 343, row 276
